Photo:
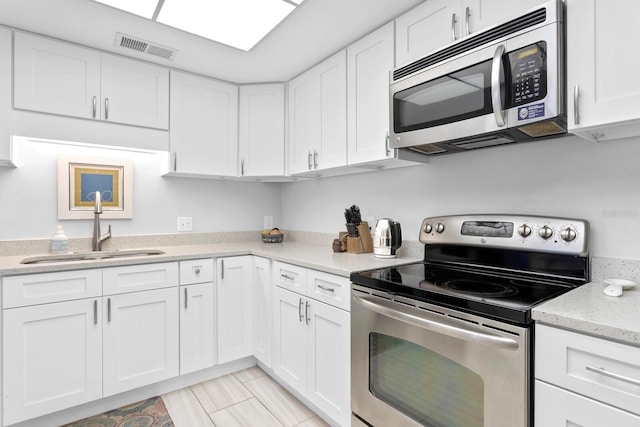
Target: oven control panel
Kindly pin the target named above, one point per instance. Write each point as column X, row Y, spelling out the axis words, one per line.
column 532, row 233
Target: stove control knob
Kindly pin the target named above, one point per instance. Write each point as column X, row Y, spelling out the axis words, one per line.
column 440, row 227
column 568, row 234
column 428, row 228
column 524, row 230
column 545, row 232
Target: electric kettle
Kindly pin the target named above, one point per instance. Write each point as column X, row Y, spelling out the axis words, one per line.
column 387, row 238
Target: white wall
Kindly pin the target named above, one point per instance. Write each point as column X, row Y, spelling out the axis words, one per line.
column 28, row 198
column 565, row 177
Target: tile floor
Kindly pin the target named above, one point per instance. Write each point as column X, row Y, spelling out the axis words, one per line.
column 247, row 398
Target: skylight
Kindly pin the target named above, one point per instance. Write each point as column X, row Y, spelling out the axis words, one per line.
column 237, row 23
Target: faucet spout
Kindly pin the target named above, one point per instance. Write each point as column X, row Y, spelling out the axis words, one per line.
column 98, row 237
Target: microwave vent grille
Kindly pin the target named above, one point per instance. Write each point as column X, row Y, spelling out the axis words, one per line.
column 533, row 18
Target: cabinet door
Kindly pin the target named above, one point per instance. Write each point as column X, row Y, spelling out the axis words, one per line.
column 263, row 315
column 52, row 358
column 427, row 27
column 304, row 123
column 556, row 407
column 599, row 72
column 134, row 92
column 369, row 61
column 203, row 133
column 261, row 136
column 140, row 339
column 235, row 308
column 197, row 327
column 331, row 150
column 55, row 77
column 6, row 155
column 329, row 362
column 479, row 14
column 290, row 338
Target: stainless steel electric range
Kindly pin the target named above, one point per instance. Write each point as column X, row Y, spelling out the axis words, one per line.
column 449, row 341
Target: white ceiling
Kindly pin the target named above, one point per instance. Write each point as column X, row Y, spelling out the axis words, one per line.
column 317, row 29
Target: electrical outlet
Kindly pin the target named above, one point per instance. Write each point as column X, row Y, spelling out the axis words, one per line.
column 184, row 223
column 268, row 222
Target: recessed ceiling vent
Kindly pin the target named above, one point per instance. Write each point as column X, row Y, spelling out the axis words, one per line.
column 145, row 47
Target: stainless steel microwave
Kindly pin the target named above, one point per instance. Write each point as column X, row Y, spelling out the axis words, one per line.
column 502, row 85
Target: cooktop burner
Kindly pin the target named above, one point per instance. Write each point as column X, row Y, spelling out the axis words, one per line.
column 476, row 287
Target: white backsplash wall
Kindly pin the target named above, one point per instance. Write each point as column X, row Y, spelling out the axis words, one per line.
column 564, row 177
column 28, row 196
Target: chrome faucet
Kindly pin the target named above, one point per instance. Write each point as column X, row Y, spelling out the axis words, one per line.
column 96, row 241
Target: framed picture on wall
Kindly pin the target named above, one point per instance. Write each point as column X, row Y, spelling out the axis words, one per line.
column 79, row 178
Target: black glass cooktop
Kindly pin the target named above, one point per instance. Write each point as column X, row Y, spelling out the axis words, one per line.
column 500, row 295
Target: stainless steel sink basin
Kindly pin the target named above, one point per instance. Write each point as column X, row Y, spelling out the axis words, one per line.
column 85, row 256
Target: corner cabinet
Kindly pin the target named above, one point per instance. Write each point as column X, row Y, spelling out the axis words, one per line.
column 585, row 381
column 261, row 135
column 263, row 312
column 601, row 103
column 6, row 152
column 62, row 78
column 203, row 136
column 312, row 337
column 318, row 117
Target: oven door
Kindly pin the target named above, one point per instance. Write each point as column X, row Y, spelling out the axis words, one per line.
column 425, row 365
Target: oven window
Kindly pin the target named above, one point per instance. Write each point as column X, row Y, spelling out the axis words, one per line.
column 424, row 385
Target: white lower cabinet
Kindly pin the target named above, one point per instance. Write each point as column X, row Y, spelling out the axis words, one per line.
column 263, row 317
column 235, row 308
column 312, row 347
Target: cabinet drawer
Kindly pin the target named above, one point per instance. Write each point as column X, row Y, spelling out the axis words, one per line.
column 329, row 288
column 594, row 367
column 290, row 277
column 196, row 271
column 32, row 289
column 132, row 278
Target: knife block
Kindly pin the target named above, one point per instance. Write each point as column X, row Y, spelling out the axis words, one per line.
column 362, row 244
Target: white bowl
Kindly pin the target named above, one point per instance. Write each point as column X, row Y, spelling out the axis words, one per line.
column 623, row 283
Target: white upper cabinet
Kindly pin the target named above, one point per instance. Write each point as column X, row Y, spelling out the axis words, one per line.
column 369, row 61
column 6, row 154
column 318, row 117
column 602, row 58
column 65, row 79
column 436, row 23
column 261, row 136
column 203, row 138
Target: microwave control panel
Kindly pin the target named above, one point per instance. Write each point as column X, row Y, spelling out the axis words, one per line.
column 528, row 74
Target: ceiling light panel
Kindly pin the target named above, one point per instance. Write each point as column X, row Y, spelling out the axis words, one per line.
column 238, row 23
column 144, row 8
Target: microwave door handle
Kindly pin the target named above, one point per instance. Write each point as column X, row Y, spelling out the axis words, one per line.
column 442, row 326
column 496, row 98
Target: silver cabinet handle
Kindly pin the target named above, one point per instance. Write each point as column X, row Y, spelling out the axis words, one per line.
column 186, row 298
column 95, row 312
column 286, row 276
column 222, row 269
column 613, row 375
column 309, row 160
column 95, row 106
column 300, row 310
column 108, row 309
column 387, row 141
column 175, row 161
column 453, row 27
column 197, row 271
column 467, row 14
column 106, row 108
column 423, row 320
column 315, row 159
column 242, row 167
column 306, row 312
column 496, row 99
column 326, row 288
column 576, row 104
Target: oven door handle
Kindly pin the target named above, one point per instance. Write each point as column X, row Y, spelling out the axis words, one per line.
column 421, row 320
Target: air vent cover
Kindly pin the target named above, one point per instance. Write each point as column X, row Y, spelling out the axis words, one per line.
column 145, row 47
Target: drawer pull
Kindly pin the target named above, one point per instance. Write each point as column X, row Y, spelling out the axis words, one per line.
column 326, row 288
column 197, row 271
column 286, row 276
column 613, row 375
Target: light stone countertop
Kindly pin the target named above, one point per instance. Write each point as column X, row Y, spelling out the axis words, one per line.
column 317, row 257
column 587, row 309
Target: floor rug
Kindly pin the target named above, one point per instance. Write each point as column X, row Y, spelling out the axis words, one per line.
column 149, row 413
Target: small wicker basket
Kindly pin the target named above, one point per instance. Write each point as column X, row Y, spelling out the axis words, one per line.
column 272, row 238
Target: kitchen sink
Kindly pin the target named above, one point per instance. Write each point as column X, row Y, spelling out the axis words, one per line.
column 85, row 256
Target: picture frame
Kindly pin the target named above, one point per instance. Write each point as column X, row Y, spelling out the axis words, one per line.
column 80, row 177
